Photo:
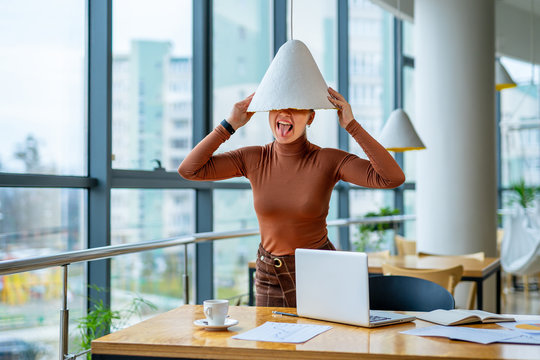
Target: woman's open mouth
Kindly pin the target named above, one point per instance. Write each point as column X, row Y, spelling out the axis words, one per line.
column 284, row 128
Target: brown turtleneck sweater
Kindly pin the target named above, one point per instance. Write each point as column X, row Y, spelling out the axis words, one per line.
column 292, row 183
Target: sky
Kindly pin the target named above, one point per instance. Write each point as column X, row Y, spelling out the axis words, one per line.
column 42, row 68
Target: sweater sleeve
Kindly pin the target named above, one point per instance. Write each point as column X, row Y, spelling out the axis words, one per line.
column 201, row 164
column 381, row 171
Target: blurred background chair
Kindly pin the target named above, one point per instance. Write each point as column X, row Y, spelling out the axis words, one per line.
column 404, row 293
column 471, row 296
column 480, row 256
column 520, row 248
column 404, row 246
column 447, row 278
column 385, row 254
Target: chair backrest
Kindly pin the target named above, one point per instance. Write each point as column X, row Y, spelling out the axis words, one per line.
column 447, row 278
column 404, row 246
column 500, row 236
column 384, row 254
column 477, row 255
column 404, row 293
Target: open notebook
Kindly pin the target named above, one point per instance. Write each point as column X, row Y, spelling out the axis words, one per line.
column 459, row 317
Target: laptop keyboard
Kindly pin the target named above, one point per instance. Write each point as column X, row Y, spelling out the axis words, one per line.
column 374, row 318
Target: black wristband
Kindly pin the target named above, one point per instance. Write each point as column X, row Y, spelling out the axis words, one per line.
column 227, row 126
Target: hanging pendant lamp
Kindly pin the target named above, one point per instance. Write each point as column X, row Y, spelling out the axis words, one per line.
column 502, row 78
column 398, row 133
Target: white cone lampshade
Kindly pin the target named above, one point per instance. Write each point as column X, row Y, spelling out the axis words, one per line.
column 398, row 133
column 502, row 78
column 292, row 81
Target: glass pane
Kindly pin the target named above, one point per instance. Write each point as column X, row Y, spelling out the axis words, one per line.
column 40, row 222
column 155, row 276
column 370, row 67
column 242, row 52
column 315, row 24
column 409, row 197
column 361, row 203
column 152, row 66
column 30, row 305
column 333, row 231
column 408, row 105
column 233, row 210
column 408, row 39
column 42, row 90
column 520, row 125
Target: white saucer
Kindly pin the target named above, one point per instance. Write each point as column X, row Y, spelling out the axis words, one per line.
column 204, row 324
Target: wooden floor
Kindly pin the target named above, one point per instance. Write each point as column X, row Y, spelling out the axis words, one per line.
column 520, row 302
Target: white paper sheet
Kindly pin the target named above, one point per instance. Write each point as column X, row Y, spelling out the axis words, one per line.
column 283, row 332
column 482, row 336
column 522, row 339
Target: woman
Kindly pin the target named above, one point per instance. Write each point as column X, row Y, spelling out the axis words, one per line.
column 292, row 181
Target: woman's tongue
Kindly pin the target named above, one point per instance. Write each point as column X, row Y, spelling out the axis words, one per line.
column 284, row 129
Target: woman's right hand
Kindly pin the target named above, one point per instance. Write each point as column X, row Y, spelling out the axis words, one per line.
column 239, row 114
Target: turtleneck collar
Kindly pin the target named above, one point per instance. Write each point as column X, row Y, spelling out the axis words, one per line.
column 297, row 147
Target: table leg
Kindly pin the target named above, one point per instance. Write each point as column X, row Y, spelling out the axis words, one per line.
column 251, row 300
column 498, row 290
column 479, row 294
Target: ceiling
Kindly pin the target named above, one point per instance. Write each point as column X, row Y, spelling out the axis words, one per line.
column 512, row 25
column 524, row 5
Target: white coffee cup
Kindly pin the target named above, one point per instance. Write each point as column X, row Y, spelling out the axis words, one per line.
column 216, row 311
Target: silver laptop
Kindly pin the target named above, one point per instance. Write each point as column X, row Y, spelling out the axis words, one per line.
column 334, row 286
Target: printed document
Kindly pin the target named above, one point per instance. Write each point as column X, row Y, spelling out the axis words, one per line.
column 283, row 332
column 482, row 336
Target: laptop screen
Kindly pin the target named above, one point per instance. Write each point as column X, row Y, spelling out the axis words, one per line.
column 333, row 286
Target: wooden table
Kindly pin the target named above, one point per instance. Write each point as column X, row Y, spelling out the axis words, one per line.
column 172, row 336
column 473, row 270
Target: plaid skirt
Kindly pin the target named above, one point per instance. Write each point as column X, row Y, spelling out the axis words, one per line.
column 275, row 278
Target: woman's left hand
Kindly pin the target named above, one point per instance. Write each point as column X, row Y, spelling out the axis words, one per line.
column 344, row 108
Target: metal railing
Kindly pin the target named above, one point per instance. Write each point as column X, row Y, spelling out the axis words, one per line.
column 9, row 267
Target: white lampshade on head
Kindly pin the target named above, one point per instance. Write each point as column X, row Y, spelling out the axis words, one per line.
column 398, row 133
column 502, row 78
column 293, row 81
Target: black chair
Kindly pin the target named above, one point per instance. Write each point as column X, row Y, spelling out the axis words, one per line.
column 404, row 293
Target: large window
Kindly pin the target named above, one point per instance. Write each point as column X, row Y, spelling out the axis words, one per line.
column 42, row 87
column 520, row 126
column 242, row 51
column 42, row 131
column 38, row 222
column 151, row 90
column 151, row 127
column 156, row 276
column 231, row 256
column 370, row 64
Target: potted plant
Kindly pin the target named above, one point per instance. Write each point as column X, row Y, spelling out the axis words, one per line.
column 102, row 319
column 371, row 236
column 524, row 195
